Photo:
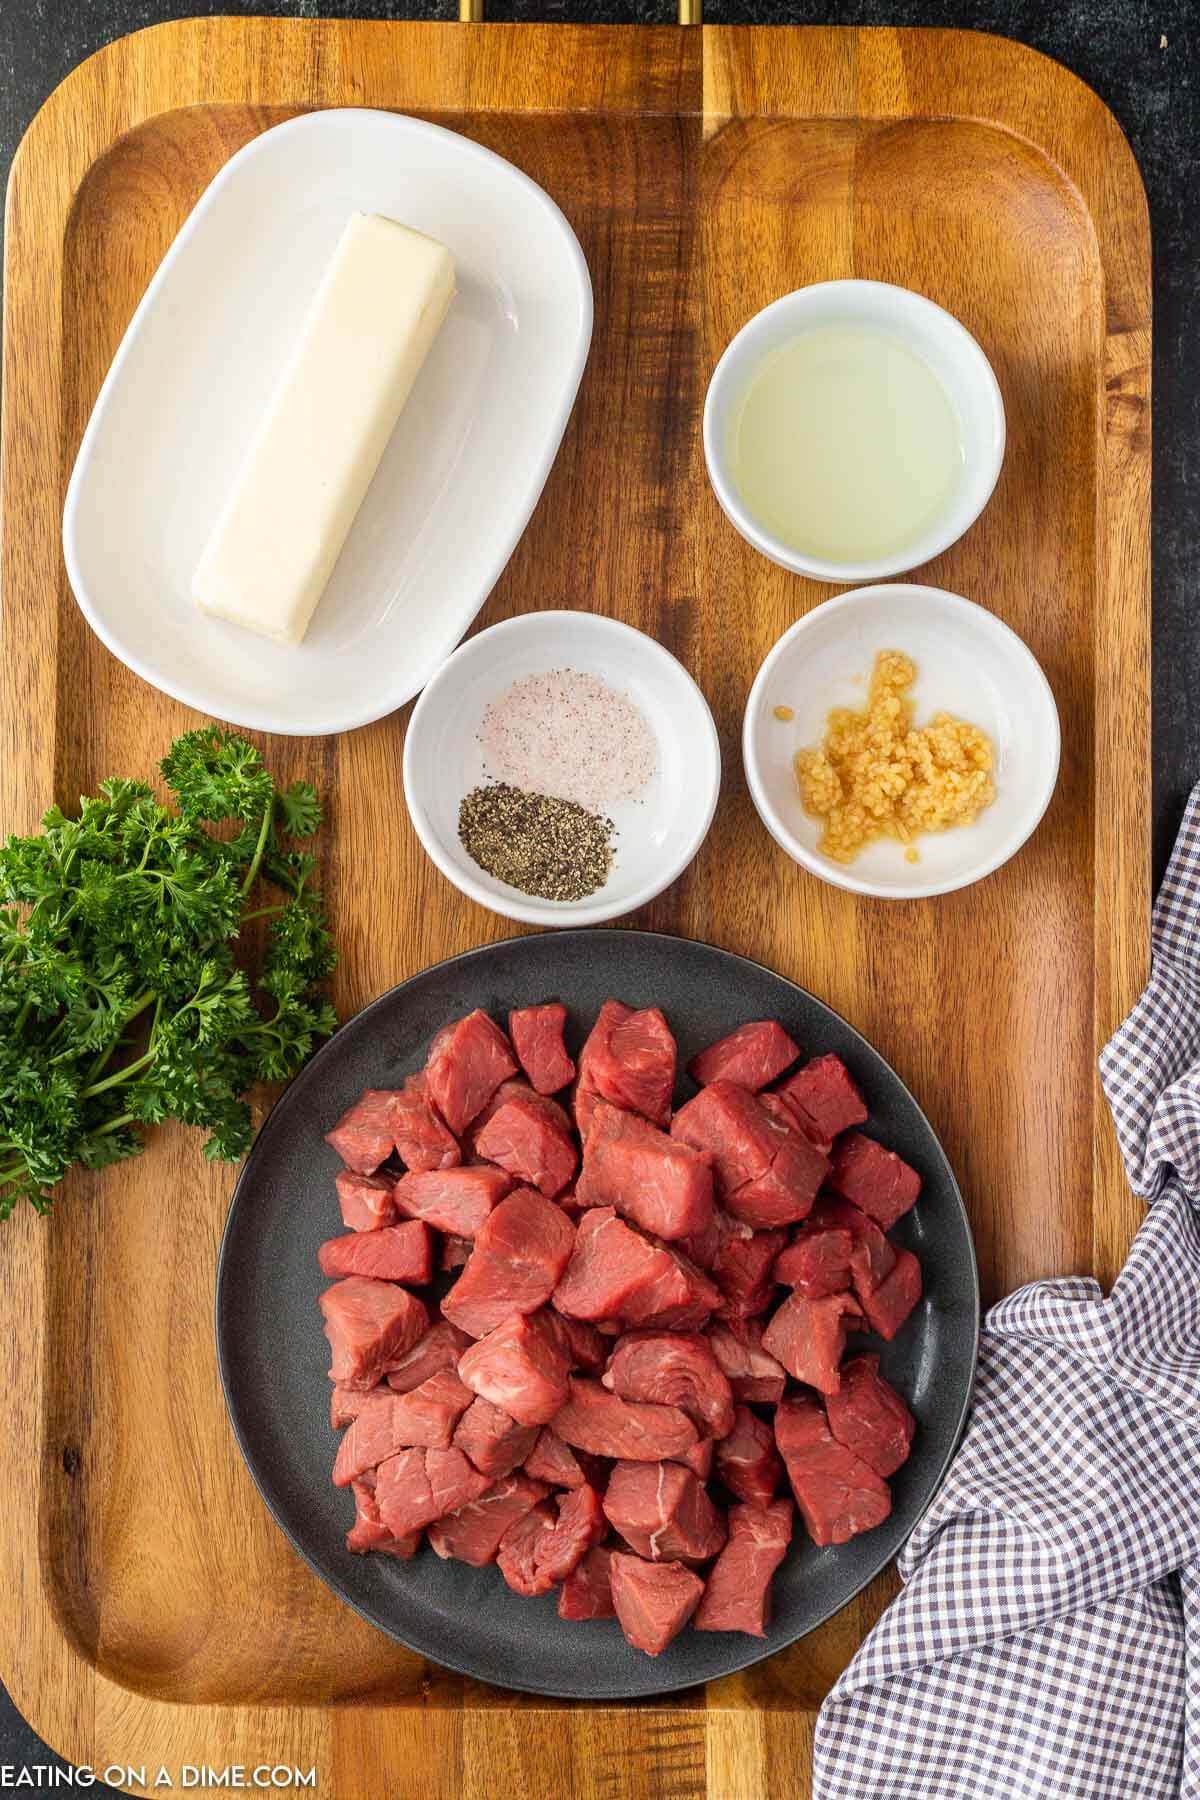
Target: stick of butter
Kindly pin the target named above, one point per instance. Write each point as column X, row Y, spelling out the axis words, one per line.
column 336, row 404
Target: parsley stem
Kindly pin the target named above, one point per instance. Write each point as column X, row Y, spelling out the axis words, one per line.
column 128, row 1070
column 262, row 912
column 256, row 859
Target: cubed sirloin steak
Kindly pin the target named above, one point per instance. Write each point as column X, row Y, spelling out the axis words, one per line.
column 767, row 1172
column 583, row 1346
column 809, row 1338
column 752, row 1373
column 663, row 1512
column 587, row 1591
column 370, row 1325
column 454, row 1200
column 737, row 1594
column 661, row 1185
column 346, row 1403
column 751, row 1056
column 493, row 1440
column 825, row 1098
column 888, row 1305
column 747, row 1460
column 869, row 1417
column 394, row 1253
column 839, row 1495
column 530, row 1136
column 456, row 1253
column 699, row 1459
column 817, row 1261
column 418, row 1486
column 872, row 1256
column 520, row 1368
column 369, row 1532
column 616, row 1273
column 543, row 1548
column 521, row 1251
column 366, row 1201
column 877, row 1180
column 653, row 1601
column 365, row 1135
column 467, row 1062
column 423, row 1139
column 473, row 1533
column 673, row 1369
column 605, row 1425
column 628, row 1060
column 537, row 1038
column 786, row 1192
column 559, row 1466
column 391, row 1422
column 440, row 1348
column 744, row 1271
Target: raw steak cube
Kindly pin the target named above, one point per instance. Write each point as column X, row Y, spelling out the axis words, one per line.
column 467, row 1062
column 663, row 1512
column 520, row 1368
column 537, row 1038
column 530, row 1137
column 418, row 1486
column 345, row 1404
column 556, row 1463
column 825, row 1098
column 543, row 1548
column 440, row 1348
column 454, row 1200
column 521, row 1251
column 872, row 1256
column 673, row 1369
column 817, row 1261
column 391, row 1422
column 587, row 1591
column 616, row 1273
column 493, row 1440
column 456, row 1253
column 747, row 1461
column 869, row 1417
column 370, row 1325
column 394, row 1253
column 730, row 1125
column 583, row 1346
column 809, row 1337
column 423, row 1139
column 364, row 1136
column 838, row 1494
column 875, row 1179
column 751, row 1056
column 368, row 1531
column 473, row 1533
column 786, row 1192
column 737, row 1595
column 605, row 1425
column 888, row 1305
column 744, row 1271
column 653, row 1601
column 699, row 1459
column 366, row 1201
column 661, row 1185
column 629, row 1060
column 752, row 1373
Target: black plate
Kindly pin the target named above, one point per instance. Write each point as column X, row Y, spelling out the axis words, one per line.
column 273, row 1358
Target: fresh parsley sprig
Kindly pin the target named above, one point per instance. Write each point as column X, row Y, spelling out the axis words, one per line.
column 121, row 1000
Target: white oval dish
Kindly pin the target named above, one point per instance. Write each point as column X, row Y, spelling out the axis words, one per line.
column 968, row 663
column 934, row 335
column 196, row 366
column 658, row 833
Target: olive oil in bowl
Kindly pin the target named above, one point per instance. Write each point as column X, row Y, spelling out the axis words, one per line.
column 846, row 446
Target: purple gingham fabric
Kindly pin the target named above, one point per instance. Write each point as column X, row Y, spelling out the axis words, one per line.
column 1046, row 1644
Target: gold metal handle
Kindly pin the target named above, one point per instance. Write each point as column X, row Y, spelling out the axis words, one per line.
column 691, row 12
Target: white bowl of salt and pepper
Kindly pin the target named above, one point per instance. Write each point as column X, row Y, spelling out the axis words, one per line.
column 562, row 768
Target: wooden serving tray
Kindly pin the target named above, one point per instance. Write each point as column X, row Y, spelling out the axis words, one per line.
column 153, row 1612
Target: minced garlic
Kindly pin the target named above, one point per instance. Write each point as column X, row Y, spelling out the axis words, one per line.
column 875, row 776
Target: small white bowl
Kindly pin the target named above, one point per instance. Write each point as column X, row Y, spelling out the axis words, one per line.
column 658, row 833
column 968, row 663
column 930, row 333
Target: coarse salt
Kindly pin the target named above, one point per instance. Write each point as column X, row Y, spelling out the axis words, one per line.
column 570, row 735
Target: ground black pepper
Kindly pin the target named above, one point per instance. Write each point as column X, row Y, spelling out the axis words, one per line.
column 552, row 849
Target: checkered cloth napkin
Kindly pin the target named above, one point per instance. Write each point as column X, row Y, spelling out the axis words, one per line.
column 1046, row 1644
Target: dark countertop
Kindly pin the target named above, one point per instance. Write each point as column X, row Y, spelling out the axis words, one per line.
column 1139, row 57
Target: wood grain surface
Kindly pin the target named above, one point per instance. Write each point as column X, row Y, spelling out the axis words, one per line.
column 154, row 1612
